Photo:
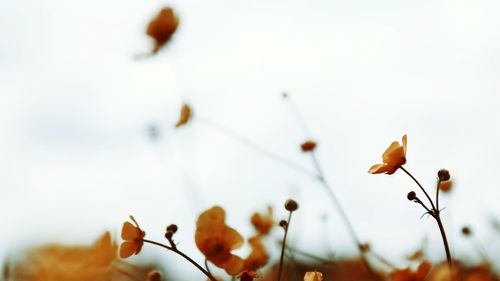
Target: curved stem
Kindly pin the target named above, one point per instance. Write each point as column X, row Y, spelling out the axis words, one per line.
column 177, row 251
column 445, row 240
column 419, row 185
column 437, row 193
column 280, row 270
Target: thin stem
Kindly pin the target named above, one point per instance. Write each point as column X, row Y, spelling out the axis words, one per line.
column 259, row 148
column 177, row 251
column 280, row 270
column 206, row 266
column 417, row 200
column 445, row 240
column 421, row 187
column 437, row 193
column 306, row 254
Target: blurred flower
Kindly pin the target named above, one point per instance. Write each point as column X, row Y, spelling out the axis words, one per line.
column 442, row 272
column 258, row 257
column 263, row 222
column 393, row 158
column 313, row 276
column 308, row 146
column 445, row 186
column 185, row 116
column 410, row 275
column 133, row 235
column 248, row 275
column 69, row 263
column 162, row 27
column 216, row 240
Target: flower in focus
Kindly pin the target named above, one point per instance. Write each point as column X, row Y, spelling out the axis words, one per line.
column 410, row 275
column 308, row 146
column 263, row 222
column 185, row 116
column 393, row 158
column 258, row 257
column 133, row 235
column 162, row 27
column 216, row 240
column 313, row 276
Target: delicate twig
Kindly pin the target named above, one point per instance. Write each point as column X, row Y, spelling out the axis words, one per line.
column 280, row 270
column 421, row 187
column 177, row 251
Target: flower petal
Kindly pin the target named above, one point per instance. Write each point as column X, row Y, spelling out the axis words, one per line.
column 128, row 248
column 233, row 265
column 380, row 168
column 129, row 231
column 404, row 144
column 232, row 238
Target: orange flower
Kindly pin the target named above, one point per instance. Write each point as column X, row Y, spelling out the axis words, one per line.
column 263, row 222
column 394, row 157
column 185, row 116
column 313, row 276
column 162, row 27
column 258, row 257
column 308, row 146
column 409, row 275
column 133, row 235
column 216, row 240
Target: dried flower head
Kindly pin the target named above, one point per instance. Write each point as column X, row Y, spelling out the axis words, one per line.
column 154, row 276
column 443, row 175
column 263, row 223
column 410, row 275
column 291, row 205
column 248, row 275
column 133, row 235
column 308, row 146
column 313, row 276
column 162, row 27
column 466, row 231
column 185, row 115
column 411, row 195
column 216, row 240
column 393, row 158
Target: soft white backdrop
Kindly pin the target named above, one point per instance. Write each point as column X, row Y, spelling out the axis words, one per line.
column 75, row 158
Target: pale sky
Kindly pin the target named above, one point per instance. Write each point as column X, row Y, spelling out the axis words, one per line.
column 75, row 105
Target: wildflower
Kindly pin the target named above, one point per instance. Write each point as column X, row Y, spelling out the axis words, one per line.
column 313, row 276
column 308, row 146
column 410, row 275
column 263, row 222
column 162, row 27
column 185, row 116
column 393, row 158
column 248, row 275
column 133, row 235
column 258, row 257
column 216, row 240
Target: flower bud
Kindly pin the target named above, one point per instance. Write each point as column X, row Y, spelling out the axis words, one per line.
column 443, row 175
column 283, row 224
column 466, row 231
column 154, row 276
column 172, row 228
column 291, row 205
column 411, row 195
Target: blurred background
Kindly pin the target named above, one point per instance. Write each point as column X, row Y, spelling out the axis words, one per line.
column 77, row 109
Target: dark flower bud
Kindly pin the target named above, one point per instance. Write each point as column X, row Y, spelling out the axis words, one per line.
column 291, row 205
column 365, row 247
column 411, row 195
column 283, row 224
column 172, row 228
column 443, row 175
column 466, row 231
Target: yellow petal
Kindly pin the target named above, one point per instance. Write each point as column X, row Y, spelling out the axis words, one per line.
column 128, row 248
column 232, row 238
column 404, row 144
column 185, row 116
column 379, row 168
